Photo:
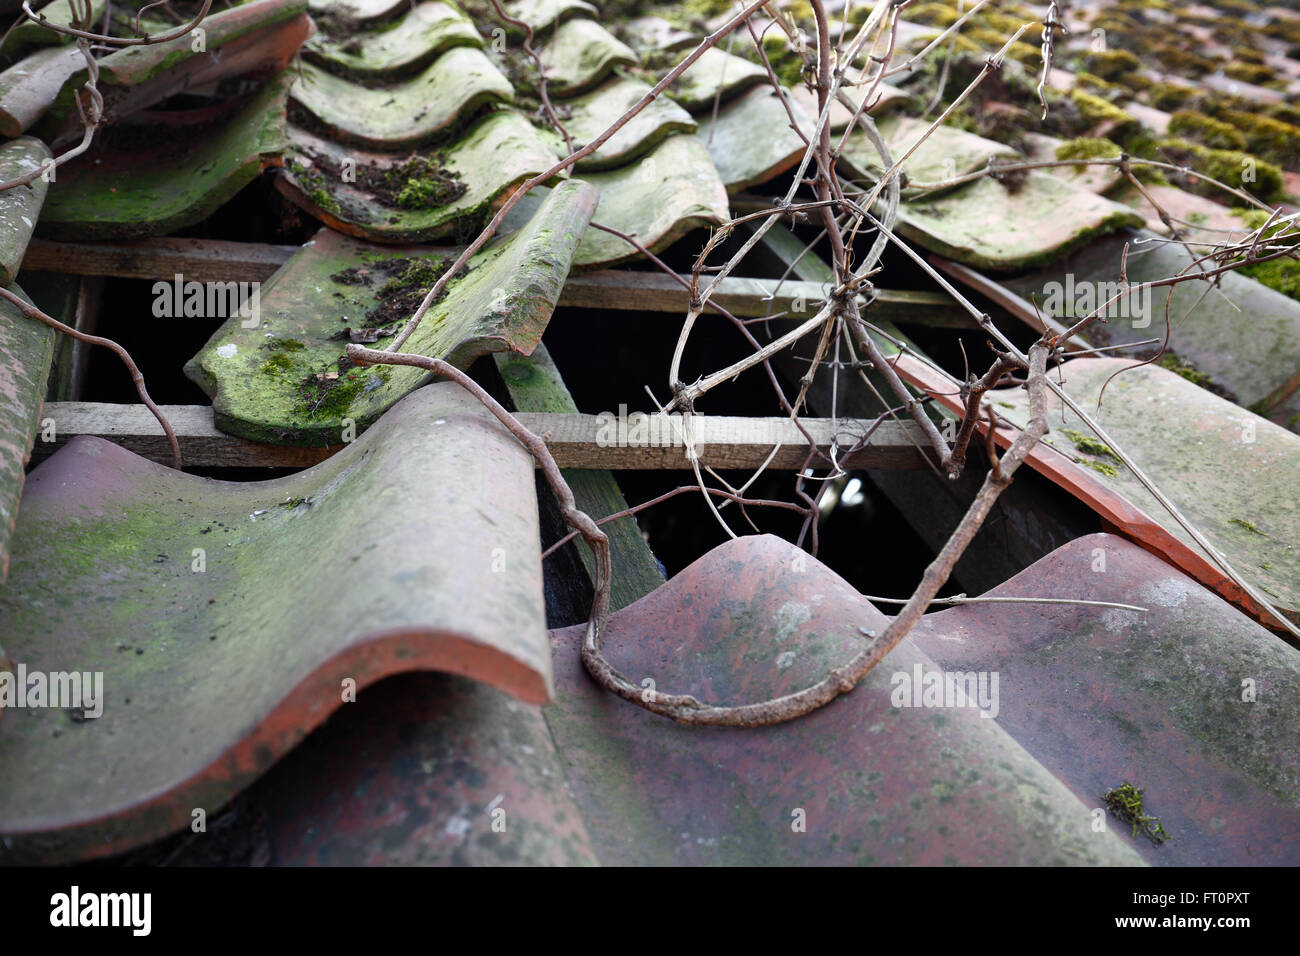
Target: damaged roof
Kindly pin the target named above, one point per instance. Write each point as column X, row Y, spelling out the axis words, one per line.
column 371, row 659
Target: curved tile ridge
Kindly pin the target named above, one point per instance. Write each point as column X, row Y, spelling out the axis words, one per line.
column 26, row 351
column 20, row 207
column 419, row 38
column 541, row 15
column 489, row 160
column 407, row 113
column 286, row 379
column 126, row 192
column 986, row 224
column 871, row 782
column 28, row 34
column 589, row 115
column 1180, row 435
column 30, row 86
column 228, row 619
column 579, row 54
column 361, row 12
column 1191, row 701
column 945, row 154
column 257, row 39
column 715, row 75
column 751, row 140
column 660, row 198
column 438, row 759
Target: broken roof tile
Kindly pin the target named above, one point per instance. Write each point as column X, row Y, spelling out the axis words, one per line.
column 424, row 33
column 26, row 351
column 591, row 114
column 660, row 198
column 406, row 113
column 120, row 190
column 267, row 381
column 579, row 54
column 20, row 206
column 490, row 159
column 309, row 581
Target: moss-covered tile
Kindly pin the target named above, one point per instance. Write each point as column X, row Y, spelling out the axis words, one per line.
column 1006, row 227
column 591, row 114
column 579, row 54
column 428, row 194
column 657, row 199
column 405, row 113
column 146, row 180
column 397, row 48
column 20, row 207
column 752, row 141
column 286, row 380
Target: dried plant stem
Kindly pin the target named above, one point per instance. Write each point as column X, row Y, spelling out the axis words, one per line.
column 31, row 312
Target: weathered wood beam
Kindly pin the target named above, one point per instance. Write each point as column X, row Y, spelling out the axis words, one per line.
column 212, row 260
column 203, row 260
column 577, row 441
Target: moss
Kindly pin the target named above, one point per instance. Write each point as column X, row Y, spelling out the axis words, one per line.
column 933, row 14
column 1199, row 128
column 1272, row 139
column 1088, row 147
column 314, row 185
column 1229, row 167
column 1168, row 96
column 1248, row 525
column 330, row 398
column 1089, row 445
column 1104, row 88
column 1184, row 62
column 1104, row 467
column 284, row 345
column 423, row 183
column 1280, row 275
column 1249, row 72
column 1127, row 805
column 1095, row 111
column 277, row 363
column 1111, row 64
column 1181, row 367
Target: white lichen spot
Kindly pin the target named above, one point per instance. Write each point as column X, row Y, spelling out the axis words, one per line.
column 785, row 660
column 457, row 826
column 788, row 618
column 229, row 350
